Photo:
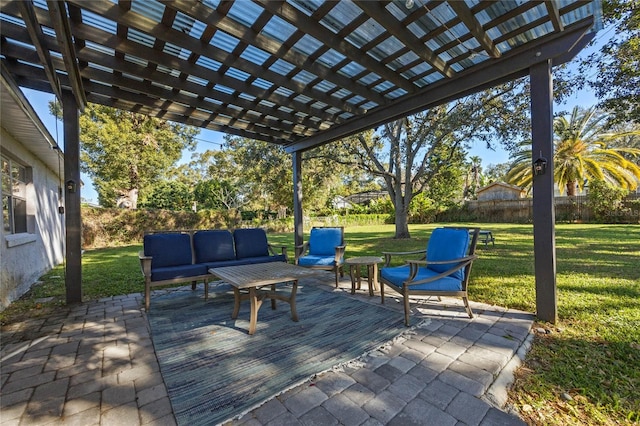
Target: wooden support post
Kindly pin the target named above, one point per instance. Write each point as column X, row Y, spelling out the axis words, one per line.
column 298, row 220
column 73, row 223
column 544, row 240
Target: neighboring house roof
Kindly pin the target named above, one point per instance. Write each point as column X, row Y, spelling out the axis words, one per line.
column 501, row 185
column 20, row 120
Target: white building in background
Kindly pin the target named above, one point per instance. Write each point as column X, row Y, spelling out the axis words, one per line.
column 32, row 172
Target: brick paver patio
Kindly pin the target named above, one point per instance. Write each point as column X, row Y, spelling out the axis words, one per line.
column 94, row 364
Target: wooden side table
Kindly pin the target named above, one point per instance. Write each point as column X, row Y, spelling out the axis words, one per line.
column 355, row 263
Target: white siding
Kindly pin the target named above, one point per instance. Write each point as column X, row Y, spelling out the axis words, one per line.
column 25, row 257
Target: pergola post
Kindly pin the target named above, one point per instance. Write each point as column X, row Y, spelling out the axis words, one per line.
column 297, row 197
column 543, row 186
column 73, row 222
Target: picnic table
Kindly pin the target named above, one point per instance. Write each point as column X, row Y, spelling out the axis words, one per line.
column 486, row 237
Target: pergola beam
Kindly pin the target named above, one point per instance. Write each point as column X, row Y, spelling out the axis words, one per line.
column 554, row 14
column 65, row 40
column 378, row 12
column 37, row 37
column 475, row 28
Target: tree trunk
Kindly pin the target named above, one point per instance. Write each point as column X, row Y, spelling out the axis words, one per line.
column 402, row 226
column 571, row 188
column 133, row 198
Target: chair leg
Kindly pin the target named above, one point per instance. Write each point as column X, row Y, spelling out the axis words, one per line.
column 337, row 277
column 206, row 289
column 193, row 285
column 407, row 308
column 467, row 307
column 147, row 295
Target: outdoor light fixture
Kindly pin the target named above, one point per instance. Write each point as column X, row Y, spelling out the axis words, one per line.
column 540, row 165
column 71, row 186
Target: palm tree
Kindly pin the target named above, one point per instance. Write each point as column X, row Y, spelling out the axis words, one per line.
column 582, row 153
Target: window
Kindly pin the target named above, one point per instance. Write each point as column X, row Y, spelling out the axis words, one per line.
column 14, row 204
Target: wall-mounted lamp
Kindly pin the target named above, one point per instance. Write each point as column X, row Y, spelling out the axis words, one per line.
column 540, row 166
column 71, row 186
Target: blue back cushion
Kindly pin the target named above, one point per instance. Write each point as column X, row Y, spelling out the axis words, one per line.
column 323, row 241
column 447, row 244
column 213, row 246
column 171, row 249
column 250, row 243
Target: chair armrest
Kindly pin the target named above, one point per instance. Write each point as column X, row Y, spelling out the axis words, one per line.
column 415, row 264
column 283, row 250
column 389, row 254
column 442, row 262
column 301, row 250
column 340, row 252
column 145, row 263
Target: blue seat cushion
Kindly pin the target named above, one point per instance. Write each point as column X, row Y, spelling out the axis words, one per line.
column 447, row 244
column 213, row 246
column 265, row 259
column 171, row 272
column 313, row 260
column 250, row 243
column 323, row 241
column 247, row 261
column 223, row 263
column 399, row 274
column 170, row 249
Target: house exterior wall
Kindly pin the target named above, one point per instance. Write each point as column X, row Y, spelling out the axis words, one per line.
column 24, row 257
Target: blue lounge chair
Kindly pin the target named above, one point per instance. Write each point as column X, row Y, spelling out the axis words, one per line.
column 324, row 250
column 443, row 270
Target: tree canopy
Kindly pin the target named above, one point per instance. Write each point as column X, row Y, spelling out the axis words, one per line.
column 126, row 153
column 584, row 151
column 425, row 153
column 613, row 71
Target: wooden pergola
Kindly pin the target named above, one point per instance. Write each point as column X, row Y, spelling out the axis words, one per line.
column 297, row 73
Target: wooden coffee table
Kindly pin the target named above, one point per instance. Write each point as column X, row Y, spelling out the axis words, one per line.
column 355, row 263
column 247, row 280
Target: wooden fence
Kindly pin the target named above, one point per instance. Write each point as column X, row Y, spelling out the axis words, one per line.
column 568, row 209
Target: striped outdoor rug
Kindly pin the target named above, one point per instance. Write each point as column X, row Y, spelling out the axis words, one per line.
column 214, row 370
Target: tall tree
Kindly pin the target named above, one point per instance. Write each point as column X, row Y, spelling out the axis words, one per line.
column 265, row 173
column 584, row 151
column 618, row 65
column 496, row 173
column 126, row 153
column 425, row 151
column 613, row 71
column 473, row 177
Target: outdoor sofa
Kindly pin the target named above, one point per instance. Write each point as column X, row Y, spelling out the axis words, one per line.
column 172, row 257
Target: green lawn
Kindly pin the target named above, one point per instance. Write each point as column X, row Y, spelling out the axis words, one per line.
column 592, row 354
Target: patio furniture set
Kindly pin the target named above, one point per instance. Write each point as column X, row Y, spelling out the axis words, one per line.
column 246, row 261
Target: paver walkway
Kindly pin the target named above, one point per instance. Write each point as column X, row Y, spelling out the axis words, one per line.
column 94, row 364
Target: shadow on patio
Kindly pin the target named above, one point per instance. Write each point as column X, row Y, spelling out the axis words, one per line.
column 95, row 363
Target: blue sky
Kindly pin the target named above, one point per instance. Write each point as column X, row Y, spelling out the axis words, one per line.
column 210, row 140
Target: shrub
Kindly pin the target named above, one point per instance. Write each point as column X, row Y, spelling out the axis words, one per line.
column 605, row 201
